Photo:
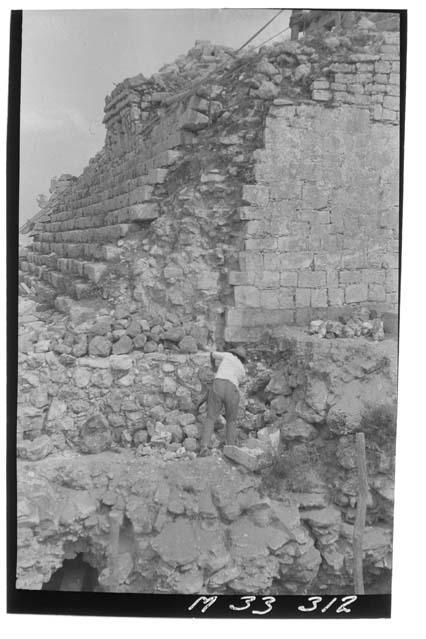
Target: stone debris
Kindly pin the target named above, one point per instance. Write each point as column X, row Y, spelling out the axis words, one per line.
column 252, row 459
column 36, row 449
column 183, row 521
column 298, row 429
column 351, row 328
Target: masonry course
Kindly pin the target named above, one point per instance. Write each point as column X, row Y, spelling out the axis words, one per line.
column 275, row 188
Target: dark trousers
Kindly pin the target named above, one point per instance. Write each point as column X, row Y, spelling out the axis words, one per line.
column 222, row 393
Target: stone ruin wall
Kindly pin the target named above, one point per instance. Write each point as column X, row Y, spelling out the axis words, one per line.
column 185, row 524
column 224, row 216
column 269, row 197
column 322, row 229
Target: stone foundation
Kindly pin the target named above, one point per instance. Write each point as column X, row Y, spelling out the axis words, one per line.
column 107, row 448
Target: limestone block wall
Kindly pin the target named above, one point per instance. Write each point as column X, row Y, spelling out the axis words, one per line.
column 267, row 195
column 322, row 225
column 116, row 193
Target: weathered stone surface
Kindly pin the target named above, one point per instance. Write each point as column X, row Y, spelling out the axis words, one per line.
column 316, row 395
column 40, row 398
column 150, row 347
column 271, row 437
column 191, row 431
column 36, row 449
column 123, row 345
column 302, row 71
column 346, row 414
column 267, row 89
column 278, row 385
column 250, row 541
column 169, row 385
column 298, row 429
column 99, row 346
column 139, row 341
column 222, row 577
column 346, row 453
column 176, row 543
column 190, row 444
column 280, row 405
column 311, row 500
column 139, row 515
column 189, row 582
column 174, row 334
column 102, row 326
column 188, row 345
column 56, row 410
column 95, row 435
column 80, row 347
column 94, row 363
column 102, row 378
column 82, row 377
column 252, row 459
column 79, row 506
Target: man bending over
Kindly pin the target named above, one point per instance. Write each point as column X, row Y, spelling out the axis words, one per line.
column 224, row 392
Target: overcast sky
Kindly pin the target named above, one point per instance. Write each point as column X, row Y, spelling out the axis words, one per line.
column 71, row 60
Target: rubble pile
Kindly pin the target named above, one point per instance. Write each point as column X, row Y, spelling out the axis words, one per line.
column 196, row 526
column 295, row 443
column 366, row 324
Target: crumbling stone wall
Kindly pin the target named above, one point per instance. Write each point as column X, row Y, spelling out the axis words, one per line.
column 107, row 452
column 178, row 527
column 224, row 216
column 269, row 193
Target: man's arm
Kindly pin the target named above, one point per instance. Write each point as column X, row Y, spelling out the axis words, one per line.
column 215, row 358
column 218, row 355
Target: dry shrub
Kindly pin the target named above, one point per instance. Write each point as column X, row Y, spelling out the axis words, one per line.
column 379, row 424
column 293, row 469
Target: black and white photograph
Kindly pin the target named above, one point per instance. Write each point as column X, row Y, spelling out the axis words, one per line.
column 210, row 211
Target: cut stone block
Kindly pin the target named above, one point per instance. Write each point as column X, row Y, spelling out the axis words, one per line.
column 252, row 459
column 356, row 293
column 142, row 212
column 94, row 271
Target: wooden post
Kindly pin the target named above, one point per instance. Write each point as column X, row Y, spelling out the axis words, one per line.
column 294, row 32
column 295, row 23
column 115, row 520
column 361, row 509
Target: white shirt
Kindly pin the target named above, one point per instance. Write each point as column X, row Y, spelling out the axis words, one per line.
column 230, row 367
